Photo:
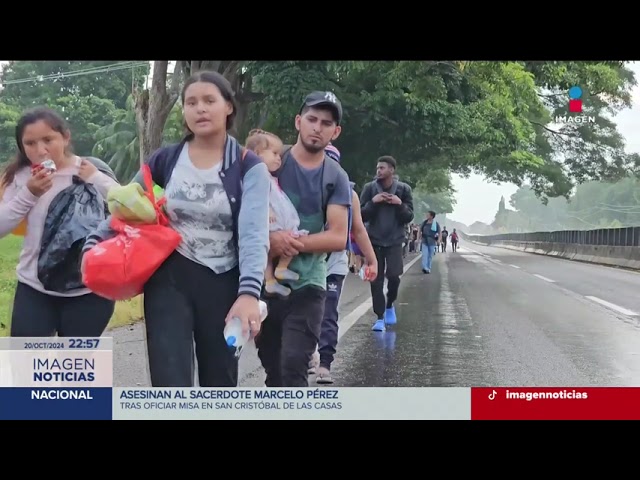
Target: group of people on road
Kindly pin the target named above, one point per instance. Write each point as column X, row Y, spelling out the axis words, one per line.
column 435, row 237
column 294, row 251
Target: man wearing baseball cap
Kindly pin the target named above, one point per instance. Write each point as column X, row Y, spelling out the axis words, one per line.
column 325, row 99
column 291, row 331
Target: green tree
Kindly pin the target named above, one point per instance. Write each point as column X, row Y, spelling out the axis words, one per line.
column 575, row 153
column 118, row 143
column 31, row 83
column 8, row 118
column 85, row 116
column 89, row 95
column 491, row 118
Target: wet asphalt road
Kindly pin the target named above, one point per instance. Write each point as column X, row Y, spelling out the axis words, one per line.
column 613, row 285
column 476, row 320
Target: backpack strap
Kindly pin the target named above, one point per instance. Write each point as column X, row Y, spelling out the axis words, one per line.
column 394, row 187
column 392, row 190
column 330, row 177
column 350, row 218
column 330, row 174
column 243, row 167
column 350, row 222
column 102, row 167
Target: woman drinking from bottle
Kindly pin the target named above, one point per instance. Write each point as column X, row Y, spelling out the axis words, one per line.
column 43, row 167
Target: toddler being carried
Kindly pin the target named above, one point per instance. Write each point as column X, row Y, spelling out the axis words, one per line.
column 282, row 213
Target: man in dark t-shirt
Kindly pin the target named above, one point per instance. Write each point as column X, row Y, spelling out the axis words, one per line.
column 291, row 331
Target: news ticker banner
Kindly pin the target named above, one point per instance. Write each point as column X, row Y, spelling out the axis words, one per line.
column 56, row 378
column 72, row 378
column 390, row 403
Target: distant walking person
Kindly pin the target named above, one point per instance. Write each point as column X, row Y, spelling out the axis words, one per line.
column 454, row 240
column 386, row 206
column 413, row 239
column 445, row 237
column 430, row 240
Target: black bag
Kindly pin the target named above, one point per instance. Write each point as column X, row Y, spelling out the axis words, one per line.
column 73, row 214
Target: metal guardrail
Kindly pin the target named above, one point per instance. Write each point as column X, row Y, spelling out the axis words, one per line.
column 611, row 237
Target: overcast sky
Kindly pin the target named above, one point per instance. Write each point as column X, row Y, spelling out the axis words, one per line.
column 477, row 199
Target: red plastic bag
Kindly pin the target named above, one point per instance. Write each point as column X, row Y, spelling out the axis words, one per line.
column 118, row 268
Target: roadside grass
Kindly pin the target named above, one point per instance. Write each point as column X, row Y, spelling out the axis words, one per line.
column 126, row 313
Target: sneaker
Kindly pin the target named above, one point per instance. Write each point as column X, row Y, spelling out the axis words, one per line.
column 324, row 376
column 390, row 316
column 379, row 325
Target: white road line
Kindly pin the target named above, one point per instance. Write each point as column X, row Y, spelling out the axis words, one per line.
column 475, row 251
column 350, row 320
column 613, row 306
column 484, row 255
column 514, row 266
column 544, row 278
column 487, row 257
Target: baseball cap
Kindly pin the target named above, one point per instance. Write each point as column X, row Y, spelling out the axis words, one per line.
column 317, row 98
column 332, row 152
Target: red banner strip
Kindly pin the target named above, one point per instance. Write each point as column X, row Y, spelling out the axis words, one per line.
column 553, row 403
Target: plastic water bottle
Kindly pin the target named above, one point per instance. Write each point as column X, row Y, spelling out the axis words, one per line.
column 363, row 272
column 233, row 331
